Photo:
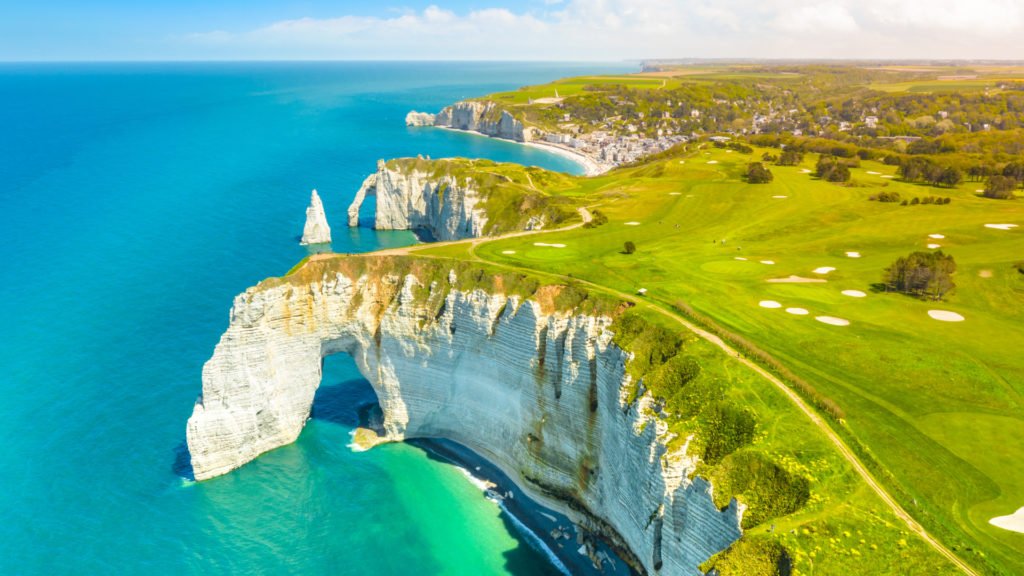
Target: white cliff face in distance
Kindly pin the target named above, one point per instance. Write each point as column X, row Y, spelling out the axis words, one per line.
column 316, row 230
column 484, row 117
column 415, row 118
column 444, row 206
column 538, row 392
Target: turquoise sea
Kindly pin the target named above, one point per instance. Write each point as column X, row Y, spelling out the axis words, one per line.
column 135, row 201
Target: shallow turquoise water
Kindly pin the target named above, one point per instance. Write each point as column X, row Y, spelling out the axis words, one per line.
column 135, row 202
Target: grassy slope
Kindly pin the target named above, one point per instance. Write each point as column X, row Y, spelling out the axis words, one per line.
column 939, row 405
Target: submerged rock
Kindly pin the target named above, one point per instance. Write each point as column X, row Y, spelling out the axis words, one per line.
column 316, row 230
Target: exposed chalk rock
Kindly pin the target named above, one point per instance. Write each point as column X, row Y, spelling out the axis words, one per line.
column 316, row 230
column 542, row 394
column 415, row 118
column 413, row 200
column 484, row 117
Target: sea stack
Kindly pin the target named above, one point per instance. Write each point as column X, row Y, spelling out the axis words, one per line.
column 316, row 231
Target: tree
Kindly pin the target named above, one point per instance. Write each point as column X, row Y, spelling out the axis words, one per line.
column 628, row 247
column 999, row 187
column 790, row 158
column 951, row 177
column 758, row 174
column 922, row 274
column 832, row 169
column 1014, row 170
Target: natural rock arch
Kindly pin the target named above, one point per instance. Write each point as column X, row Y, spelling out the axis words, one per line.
column 536, row 392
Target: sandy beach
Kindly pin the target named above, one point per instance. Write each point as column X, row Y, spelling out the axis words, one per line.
column 590, row 166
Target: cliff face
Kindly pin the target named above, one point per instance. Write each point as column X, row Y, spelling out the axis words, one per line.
column 540, row 393
column 316, row 230
column 445, row 206
column 483, row 117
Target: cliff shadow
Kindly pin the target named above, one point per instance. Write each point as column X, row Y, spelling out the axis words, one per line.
column 182, row 465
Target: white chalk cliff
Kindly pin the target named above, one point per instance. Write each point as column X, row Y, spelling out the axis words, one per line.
column 538, row 392
column 316, row 230
column 415, row 118
column 444, row 206
column 484, row 117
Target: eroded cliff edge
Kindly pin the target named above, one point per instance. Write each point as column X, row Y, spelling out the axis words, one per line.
column 526, row 375
column 453, row 199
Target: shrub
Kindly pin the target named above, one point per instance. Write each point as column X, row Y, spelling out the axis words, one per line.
column 999, row 187
column 790, row 158
column 727, row 427
column 922, row 274
column 628, row 247
column 597, row 218
column 831, row 169
column 887, row 197
column 758, row 174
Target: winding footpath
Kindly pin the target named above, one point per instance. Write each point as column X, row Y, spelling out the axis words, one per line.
column 816, row 419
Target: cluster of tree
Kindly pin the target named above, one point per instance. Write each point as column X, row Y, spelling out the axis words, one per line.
column 832, row 169
column 790, row 157
column 597, row 218
column 737, row 146
column 1001, row 186
column 758, row 174
column 923, row 274
column 916, row 169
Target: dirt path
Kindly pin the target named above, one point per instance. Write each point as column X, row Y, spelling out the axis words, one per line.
column 795, row 398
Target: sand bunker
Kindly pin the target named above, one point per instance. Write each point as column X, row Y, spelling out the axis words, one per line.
column 805, row 171
column 674, row 193
column 936, row 236
column 545, row 244
column 853, row 254
column 712, row 161
column 798, row 311
column 980, row 190
column 853, row 293
column 1014, row 522
column 682, row 161
column 508, row 251
column 832, row 320
column 769, row 304
column 780, row 197
column 632, row 223
column 874, row 173
column 1001, row 226
column 741, row 258
column 985, row 273
column 769, row 262
column 888, row 176
column 945, row 316
column 823, row 270
column 795, row 280
column 934, row 246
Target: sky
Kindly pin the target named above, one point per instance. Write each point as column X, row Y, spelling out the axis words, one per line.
column 565, row 30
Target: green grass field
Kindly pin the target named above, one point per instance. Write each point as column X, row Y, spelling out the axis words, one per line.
column 937, row 407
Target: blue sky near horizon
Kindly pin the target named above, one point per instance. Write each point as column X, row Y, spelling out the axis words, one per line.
column 508, row 29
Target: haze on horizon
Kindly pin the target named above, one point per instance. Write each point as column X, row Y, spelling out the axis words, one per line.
column 599, row 30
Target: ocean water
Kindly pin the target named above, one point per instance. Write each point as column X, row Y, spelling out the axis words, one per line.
column 135, row 201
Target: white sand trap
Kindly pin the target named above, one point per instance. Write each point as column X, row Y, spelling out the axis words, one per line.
column 853, row 293
column 980, row 190
column 805, row 170
column 888, row 176
column 936, row 236
column 985, row 273
column 874, row 173
column 728, row 151
column 769, row 304
column 712, row 161
column 780, row 196
column 741, row 258
column 945, row 316
column 682, row 161
column 768, row 262
column 632, row 223
column 934, row 246
column 823, row 270
column 508, row 251
column 853, row 254
column 1001, row 226
column 674, row 193
column 545, row 244
column 798, row 311
column 795, row 280
column 832, row 320
column 1014, row 522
